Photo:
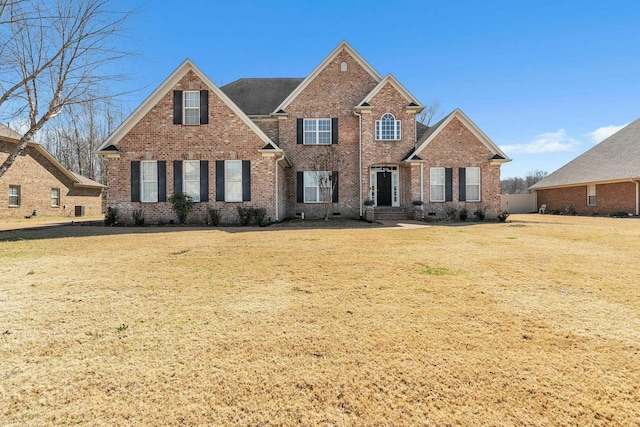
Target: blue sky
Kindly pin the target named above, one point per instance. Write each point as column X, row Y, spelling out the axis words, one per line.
column 545, row 80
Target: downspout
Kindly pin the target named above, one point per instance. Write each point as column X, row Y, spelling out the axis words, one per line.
column 277, row 202
column 359, row 159
column 422, row 183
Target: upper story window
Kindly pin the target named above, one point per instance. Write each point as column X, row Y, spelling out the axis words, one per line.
column 149, row 181
column 388, row 128
column 191, row 107
column 317, row 131
column 14, row 195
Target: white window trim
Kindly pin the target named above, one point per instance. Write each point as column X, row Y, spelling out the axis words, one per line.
column 196, row 195
column 57, row 203
column 432, row 184
column 316, row 132
column 185, row 108
column 228, row 181
column 591, row 192
column 469, row 184
column 318, row 188
column 397, row 129
column 144, row 181
column 17, row 196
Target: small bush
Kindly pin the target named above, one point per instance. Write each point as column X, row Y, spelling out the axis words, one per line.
column 463, row 213
column 452, row 213
column 259, row 214
column 479, row 213
column 245, row 215
column 111, row 217
column 213, row 216
column 138, row 217
column 503, row 215
column 182, row 203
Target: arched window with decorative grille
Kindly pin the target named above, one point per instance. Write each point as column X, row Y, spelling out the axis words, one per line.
column 388, row 128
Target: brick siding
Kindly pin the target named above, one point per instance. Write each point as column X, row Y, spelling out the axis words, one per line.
column 610, row 198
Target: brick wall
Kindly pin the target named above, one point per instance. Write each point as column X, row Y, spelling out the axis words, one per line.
column 36, row 176
column 226, row 137
column 618, row 197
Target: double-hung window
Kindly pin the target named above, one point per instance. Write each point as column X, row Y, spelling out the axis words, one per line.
column 317, row 186
column 388, row 128
column 317, row 131
column 591, row 195
column 191, row 107
column 436, row 180
column 191, row 179
column 233, row 181
column 14, row 195
column 473, row 184
column 149, row 181
column 55, row 197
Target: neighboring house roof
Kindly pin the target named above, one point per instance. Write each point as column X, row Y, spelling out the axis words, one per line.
column 430, row 133
column 9, row 135
column 617, row 158
column 260, row 96
column 342, row 46
column 162, row 90
column 421, row 128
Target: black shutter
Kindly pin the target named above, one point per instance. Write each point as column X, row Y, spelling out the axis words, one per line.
column 300, row 187
column 135, row 181
column 246, row 180
column 462, row 184
column 448, row 185
column 334, row 130
column 162, row 181
column 204, row 107
column 334, row 184
column 204, row 180
column 177, row 107
column 219, row 180
column 299, row 131
column 177, row 176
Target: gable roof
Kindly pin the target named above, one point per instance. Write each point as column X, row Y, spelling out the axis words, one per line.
column 163, row 89
column 433, row 131
column 11, row 136
column 260, row 96
column 390, row 79
column 617, row 158
column 343, row 46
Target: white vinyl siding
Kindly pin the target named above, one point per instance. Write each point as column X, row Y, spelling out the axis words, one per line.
column 436, row 181
column 191, row 179
column 233, row 181
column 149, row 181
column 191, row 107
column 473, row 184
column 591, row 195
column 317, row 131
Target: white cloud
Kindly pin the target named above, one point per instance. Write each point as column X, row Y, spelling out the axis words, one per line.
column 551, row 142
column 603, row 133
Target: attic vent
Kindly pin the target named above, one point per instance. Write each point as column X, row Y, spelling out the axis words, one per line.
column 344, row 67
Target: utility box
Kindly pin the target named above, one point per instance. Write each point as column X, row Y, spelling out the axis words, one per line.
column 79, row 210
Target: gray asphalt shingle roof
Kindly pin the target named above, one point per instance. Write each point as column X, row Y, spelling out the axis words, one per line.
column 615, row 158
column 260, row 96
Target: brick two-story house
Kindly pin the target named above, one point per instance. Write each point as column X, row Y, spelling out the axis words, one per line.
column 274, row 143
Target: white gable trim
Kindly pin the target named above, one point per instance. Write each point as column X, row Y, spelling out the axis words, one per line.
column 342, row 46
column 389, row 78
column 475, row 130
column 162, row 90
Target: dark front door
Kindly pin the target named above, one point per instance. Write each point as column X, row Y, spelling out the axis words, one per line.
column 384, row 188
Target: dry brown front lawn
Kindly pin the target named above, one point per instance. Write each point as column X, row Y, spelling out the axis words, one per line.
column 532, row 322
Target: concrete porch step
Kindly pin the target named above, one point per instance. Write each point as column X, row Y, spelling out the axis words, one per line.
column 388, row 212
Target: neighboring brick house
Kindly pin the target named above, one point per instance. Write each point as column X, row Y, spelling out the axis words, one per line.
column 36, row 181
column 603, row 180
column 276, row 143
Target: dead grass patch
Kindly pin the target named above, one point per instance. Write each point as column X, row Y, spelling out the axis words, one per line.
column 482, row 324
